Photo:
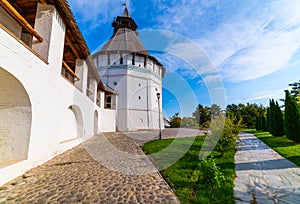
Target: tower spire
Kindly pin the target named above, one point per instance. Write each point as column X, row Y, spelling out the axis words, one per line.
column 125, row 12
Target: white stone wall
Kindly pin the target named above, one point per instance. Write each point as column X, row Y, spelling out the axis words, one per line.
column 15, row 108
column 101, row 60
column 52, row 128
column 137, row 101
column 107, row 120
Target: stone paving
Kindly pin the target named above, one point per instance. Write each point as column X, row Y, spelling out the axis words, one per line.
column 262, row 175
column 78, row 176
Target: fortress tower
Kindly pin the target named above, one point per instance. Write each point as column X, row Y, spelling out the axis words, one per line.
column 126, row 66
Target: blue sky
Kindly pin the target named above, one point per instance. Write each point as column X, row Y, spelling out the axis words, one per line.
column 248, row 49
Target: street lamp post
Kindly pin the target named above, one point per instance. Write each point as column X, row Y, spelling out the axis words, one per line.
column 159, row 120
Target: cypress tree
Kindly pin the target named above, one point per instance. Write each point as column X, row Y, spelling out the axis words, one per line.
column 263, row 122
column 257, row 127
column 272, row 118
column 291, row 118
column 278, row 121
column 268, row 119
column 260, row 122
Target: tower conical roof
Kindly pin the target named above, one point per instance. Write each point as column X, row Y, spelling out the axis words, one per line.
column 125, row 38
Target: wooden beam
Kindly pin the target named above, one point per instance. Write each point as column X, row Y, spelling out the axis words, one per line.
column 66, row 66
column 24, row 44
column 14, row 13
column 73, row 48
column 43, row 2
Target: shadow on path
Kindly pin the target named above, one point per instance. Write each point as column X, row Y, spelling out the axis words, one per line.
column 262, row 175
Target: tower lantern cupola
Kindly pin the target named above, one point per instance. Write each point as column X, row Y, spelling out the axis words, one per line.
column 124, row 21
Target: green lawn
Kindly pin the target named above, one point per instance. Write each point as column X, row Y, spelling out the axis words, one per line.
column 178, row 175
column 285, row 147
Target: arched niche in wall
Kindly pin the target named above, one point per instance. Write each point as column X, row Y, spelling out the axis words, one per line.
column 96, row 122
column 15, row 120
column 72, row 124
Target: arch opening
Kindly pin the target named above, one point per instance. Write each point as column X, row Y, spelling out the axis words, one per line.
column 96, row 122
column 15, row 120
column 72, row 124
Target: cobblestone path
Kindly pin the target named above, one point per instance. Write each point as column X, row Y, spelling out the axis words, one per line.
column 77, row 177
column 263, row 176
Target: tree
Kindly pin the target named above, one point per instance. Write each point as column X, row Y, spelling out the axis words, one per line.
column 272, row 117
column 227, row 134
column 279, row 123
column 275, row 119
column 175, row 121
column 233, row 110
column 257, row 123
column 202, row 114
column 188, row 122
column 215, row 110
column 249, row 113
column 268, row 119
column 295, row 90
column 291, row 118
column 263, row 122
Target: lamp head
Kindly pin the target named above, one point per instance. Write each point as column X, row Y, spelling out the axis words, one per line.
column 158, row 95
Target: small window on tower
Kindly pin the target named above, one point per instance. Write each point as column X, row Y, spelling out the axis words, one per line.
column 121, row 58
column 115, row 83
column 133, row 59
column 139, row 97
column 145, row 61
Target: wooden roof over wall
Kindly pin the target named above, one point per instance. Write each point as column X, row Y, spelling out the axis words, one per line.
column 75, row 45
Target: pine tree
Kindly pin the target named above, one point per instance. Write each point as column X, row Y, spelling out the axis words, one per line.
column 291, row 118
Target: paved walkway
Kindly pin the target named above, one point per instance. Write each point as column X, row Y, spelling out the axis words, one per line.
column 76, row 176
column 263, row 176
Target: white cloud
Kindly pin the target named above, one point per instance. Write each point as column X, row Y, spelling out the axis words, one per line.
column 211, row 78
column 266, row 94
column 181, row 16
column 245, row 40
column 97, row 12
column 180, row 54
column 193, row 55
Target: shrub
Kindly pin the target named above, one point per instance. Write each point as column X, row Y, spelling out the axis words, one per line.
column 227, row 134
column 208, row 173
column 175, row 121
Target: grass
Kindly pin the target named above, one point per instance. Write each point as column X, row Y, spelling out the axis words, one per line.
column 248, row 130
column 285, row 147
column 178, row 175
